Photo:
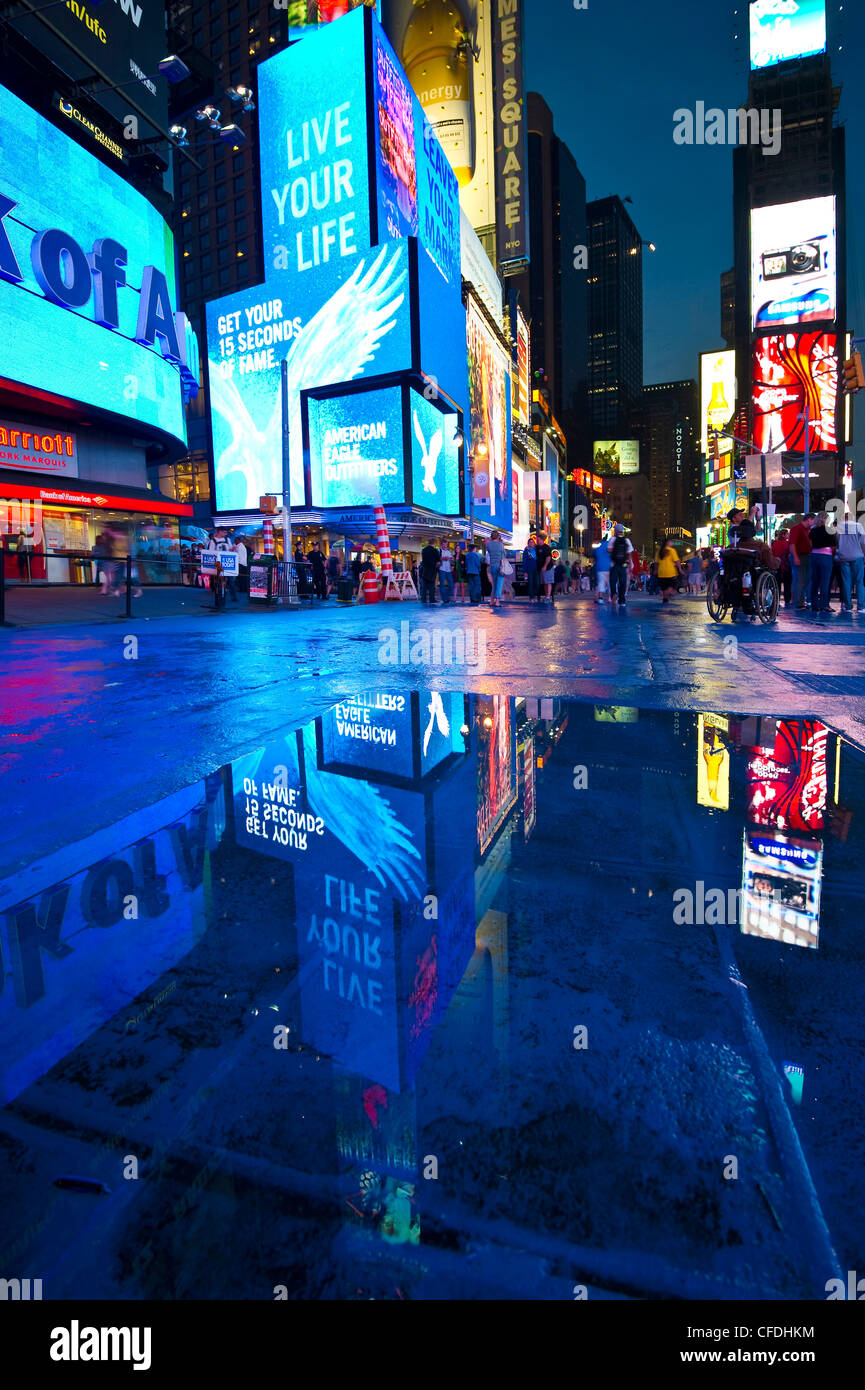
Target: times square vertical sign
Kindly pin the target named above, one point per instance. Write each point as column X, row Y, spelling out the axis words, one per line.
column 512, row 212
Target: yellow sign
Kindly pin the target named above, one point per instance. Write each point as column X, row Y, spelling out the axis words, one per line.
column 718, row 397
column 713, row 761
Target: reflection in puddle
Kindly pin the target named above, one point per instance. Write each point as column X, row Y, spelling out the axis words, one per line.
column 443, row 996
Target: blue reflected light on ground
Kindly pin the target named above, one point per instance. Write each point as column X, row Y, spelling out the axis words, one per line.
column 449, row 996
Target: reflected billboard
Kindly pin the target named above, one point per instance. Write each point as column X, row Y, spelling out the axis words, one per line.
column 792, row 371
column 787, row 781
column 786, row 29
column 793, row 264
column 781, row 886
column 713, row 761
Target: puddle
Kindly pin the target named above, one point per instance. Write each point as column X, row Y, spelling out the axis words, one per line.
column 447, row 996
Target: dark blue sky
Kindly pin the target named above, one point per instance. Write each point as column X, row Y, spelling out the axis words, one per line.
column 613, row 74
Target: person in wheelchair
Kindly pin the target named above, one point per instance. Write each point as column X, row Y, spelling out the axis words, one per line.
column 749, row 556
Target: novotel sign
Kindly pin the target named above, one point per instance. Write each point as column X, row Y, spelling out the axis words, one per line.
column 70, row 277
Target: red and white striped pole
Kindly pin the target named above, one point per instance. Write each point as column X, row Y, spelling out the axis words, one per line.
column 267, row 527
column 383, row 540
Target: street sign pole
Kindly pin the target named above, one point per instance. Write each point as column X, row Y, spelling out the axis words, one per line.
column 807, row 479
column 765, row 498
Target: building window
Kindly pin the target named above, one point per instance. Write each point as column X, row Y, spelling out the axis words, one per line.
column 206, row 284
column 240, row 227
column 221, row 236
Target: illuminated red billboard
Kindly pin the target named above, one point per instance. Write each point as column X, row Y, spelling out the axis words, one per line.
column 787, row 781
column 792, row 371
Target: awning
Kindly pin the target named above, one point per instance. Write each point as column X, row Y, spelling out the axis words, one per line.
column 84, row 494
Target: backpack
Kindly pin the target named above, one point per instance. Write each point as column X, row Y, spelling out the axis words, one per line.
column 619, row 553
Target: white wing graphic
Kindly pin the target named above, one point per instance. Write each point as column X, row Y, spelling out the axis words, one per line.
column 430, row 454
column 334, row 346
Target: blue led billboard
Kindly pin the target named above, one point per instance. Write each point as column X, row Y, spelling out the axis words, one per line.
column 86, row 271
column 435, row 460
column 372, row 732
column 356, row 451
column 786, row 29
column 418, row 191
column 340, row 303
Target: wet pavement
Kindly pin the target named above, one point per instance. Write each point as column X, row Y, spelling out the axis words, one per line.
column 347, row 981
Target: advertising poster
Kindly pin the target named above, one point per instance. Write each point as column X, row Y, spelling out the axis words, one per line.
column 722, row 501
column 792, row 371
column 793, row 263
column 52, row 183
column 524, row 371
column 616, row 456
column 497, row 790
column 489, row 388
column 435, row 456
column 787, row 781
column 397, row 187
column 781, row 883
column 718, row 403
column 713, row 761
column 356, row 449
column 785, row 29
column 334, row 306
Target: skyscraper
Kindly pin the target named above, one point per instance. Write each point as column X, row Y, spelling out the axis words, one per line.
column 670, row 454
column 554, row 287
column 615, row 281
column 790, row 258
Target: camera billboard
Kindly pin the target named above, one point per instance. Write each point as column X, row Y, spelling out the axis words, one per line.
column 786, row 29
column 793, row 264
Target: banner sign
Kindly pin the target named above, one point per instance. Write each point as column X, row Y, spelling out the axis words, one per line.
column 512, row 211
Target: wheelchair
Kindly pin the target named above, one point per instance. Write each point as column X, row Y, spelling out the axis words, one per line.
column 743, row 585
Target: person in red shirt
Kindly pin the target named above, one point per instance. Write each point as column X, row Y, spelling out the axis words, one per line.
column 800, row 557
column 781, row 551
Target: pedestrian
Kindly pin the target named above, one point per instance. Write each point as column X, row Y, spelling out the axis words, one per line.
column 621, row 550
column 223, row 545
column 495, row 560
column 319, row 574
column 530, row 569
column 99, row 552
column 298, row 554
column 695, row 573
column 473, row 573
column 333, row 571
column 545, row 566
column 355, row 574
column 851, row 557
column 822, row 554
column 781, row 551
column 669, row 570
column 800, row 559
column 603, row 564
column 575, row 578
column 446, row 575
column 430, row 558
column 461, row 582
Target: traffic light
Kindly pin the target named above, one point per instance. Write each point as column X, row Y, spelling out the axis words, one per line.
column 854, row 376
